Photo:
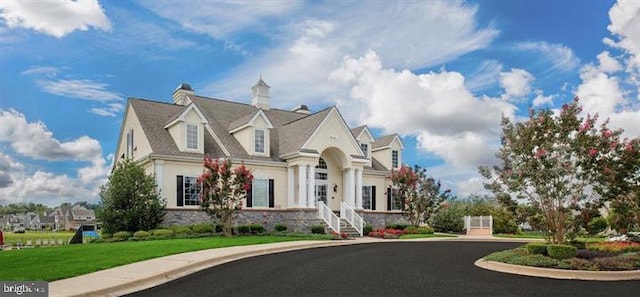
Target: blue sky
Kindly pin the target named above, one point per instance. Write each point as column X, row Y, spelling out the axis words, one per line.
column 439, row 73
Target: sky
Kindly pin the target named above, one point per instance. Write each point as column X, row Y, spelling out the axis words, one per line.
column 439, row 73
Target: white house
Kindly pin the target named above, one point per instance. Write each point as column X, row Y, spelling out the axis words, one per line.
column 300, row 160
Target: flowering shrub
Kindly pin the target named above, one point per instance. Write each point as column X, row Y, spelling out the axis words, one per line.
column 617, row 247
column 342, row 235
column 385, row 233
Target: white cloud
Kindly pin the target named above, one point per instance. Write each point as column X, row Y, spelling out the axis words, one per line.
column 541, row 99
column 625, row 25
column 305, row 51
column 81, row 89
column 38, row 70
column 33, row 139
column 56, row 18
column 97, row 173
column 487, row 74
column 516, row 83
column 608, row 64
column 446, row 118
column 111, row 110
column 560, row 56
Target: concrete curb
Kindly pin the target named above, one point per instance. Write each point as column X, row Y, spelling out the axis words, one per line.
column 111, row 285
column 558, row 273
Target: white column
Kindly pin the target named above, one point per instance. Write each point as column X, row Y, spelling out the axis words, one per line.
column 312, row 186
column 290, row 187
column 358, row 188
column 158, row 170
column 302, row 185
column 348, row 187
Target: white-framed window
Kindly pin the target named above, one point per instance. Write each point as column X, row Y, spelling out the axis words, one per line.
column 322, row 178
column 322, row 170
column 259, row 141
column 321, row 193
column 396, row 200
column 394, row 158
column 192, row 136
column 367, row 194
column 365, row 149
column 191, row 191
column 260, row 193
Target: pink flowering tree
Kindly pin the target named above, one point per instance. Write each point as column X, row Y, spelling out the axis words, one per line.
column 550, row 161
column 420, row 193
column 223, row 188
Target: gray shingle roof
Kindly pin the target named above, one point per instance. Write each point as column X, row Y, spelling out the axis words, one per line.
column 383, row 141
column 357, row 130
column 290, row 129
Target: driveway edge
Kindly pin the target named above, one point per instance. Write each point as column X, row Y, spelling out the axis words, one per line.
column 558, row 273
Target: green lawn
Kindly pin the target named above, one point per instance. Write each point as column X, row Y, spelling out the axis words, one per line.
column 13, row 238
column 53, row 263
column 525, row 235
column 414, row 236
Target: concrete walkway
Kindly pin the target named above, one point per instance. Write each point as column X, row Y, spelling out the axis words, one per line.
column 141, row 275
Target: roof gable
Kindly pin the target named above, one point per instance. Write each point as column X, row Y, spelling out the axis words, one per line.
column 362, row 130
column 180, row 117
column 249, row 120
column 343, row 129
column 386, row 142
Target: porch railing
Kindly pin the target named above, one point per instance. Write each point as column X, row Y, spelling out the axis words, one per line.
column 352, row 217
column 327, row 215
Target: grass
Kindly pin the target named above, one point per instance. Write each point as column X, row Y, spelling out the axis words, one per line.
column 13, row 238
column 54, row 263
column 537, row 235
column 414, row 236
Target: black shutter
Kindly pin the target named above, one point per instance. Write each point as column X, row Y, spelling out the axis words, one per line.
column 271, row 194
column 389, row 198
column 180, row 192
column 373, row 197
column 250, row 195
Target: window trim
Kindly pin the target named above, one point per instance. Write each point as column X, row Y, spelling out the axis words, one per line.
column 370, row 197
column 365, row 149
column 184, row 191
column 264, row 141
column 266, row 193
column 395, row 159
column 186, row 137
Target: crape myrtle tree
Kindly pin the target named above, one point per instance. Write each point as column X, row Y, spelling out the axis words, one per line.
column 130, row 200
column 420, row 193
column 223, row 189
column 549, row 160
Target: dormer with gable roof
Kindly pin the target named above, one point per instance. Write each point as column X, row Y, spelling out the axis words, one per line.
column 187, row 129
column 388, row 151
column 365, row 140
column 253, row 133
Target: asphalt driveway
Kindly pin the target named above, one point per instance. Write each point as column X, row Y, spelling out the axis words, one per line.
column 442, row 268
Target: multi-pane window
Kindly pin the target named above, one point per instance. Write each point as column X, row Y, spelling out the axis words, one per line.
column 365, row 149
column 321, row 170
column 260, row 192
column 259, row 141
column 192, row 137
column 394, row 158
column 191, row 191
column 130, row 144
column 396, row 199
column 321, row 193
column 366, row 197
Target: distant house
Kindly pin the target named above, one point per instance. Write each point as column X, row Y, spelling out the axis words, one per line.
column 29, row 221
column 71, row 217
column 301, row 160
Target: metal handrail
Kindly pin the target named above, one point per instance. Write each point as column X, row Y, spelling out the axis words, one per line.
column 327, row 215
column 352, row 217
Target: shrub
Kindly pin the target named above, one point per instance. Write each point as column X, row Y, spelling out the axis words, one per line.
column 219, row 228
column 281, row 227
column 562, row 251
column 535, row 260
column 411, row 230
column 106, row 235
column 244, row 229
column 256, row 228
column 202, row 228
column 579, row 244
column 367, row 228
column 597, row 225
column 505, row 256
column 141, row 234
column 621, row 262
column 376, row 234
column 582, row 264
column 614, row 246
column 182, row 230
column 588, row 254
column 390, row 236
column 317, row 229
column 449, row 219
column 425, row 230
column 162, row 233
column 397, row 226
column 122, row 235
column 537, row 248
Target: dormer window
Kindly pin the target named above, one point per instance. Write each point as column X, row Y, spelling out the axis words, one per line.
column 394, row 158
column 365, row 149
column 259, row 141
column 192, row 136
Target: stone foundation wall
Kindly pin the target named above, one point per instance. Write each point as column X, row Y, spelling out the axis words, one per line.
column 297, row 220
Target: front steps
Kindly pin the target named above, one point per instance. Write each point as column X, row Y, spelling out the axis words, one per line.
column 345, row 227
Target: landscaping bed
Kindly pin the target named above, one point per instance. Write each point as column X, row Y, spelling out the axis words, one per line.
column 589, row 256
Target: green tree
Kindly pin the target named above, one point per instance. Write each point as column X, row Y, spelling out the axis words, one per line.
column 223, row 191
column 421, row 195
column 450, row 217
column 548, row 160
column 503, row 219
column 130, row 200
